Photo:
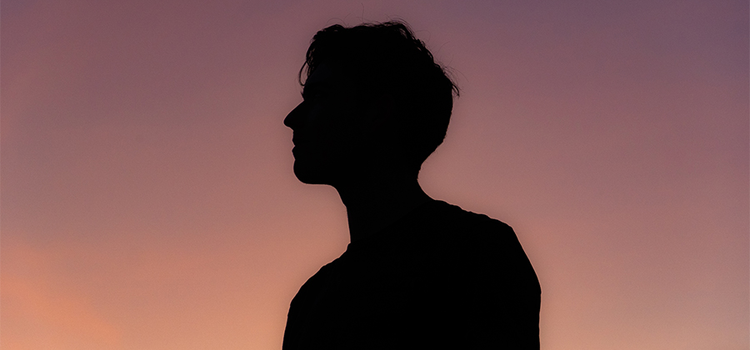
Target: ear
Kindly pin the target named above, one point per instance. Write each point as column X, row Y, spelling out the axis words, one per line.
column 381, row 112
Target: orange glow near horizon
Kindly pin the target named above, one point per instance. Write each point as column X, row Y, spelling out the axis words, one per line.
column 148, row 199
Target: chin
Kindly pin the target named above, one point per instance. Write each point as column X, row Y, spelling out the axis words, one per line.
column 310, row 175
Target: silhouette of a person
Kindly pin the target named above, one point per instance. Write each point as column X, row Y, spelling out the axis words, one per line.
column 418, row 273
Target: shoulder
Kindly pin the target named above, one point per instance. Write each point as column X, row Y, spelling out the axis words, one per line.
column 482, row 246
column 316, row 284
column 483, row 269
column 469, row 227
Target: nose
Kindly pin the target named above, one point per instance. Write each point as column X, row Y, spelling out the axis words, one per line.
column 295, row 117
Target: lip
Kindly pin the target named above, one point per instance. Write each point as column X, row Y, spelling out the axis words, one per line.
column 296, row 140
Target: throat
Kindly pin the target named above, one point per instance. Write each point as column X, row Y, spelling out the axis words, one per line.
column 372, row 209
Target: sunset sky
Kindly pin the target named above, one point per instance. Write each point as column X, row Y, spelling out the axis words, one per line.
column 148, row 200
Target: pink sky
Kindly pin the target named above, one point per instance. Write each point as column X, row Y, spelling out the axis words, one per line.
column 148, row 200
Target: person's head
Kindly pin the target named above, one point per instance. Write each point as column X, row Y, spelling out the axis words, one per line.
column 373, row 96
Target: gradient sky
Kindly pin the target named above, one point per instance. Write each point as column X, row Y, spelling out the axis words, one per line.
column 148, row 200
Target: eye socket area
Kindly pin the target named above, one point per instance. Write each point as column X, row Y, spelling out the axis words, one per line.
column 314, row 93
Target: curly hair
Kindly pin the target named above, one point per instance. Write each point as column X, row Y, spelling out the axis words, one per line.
column 386, row 58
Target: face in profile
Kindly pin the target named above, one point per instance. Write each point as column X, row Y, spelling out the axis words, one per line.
column 330, row 129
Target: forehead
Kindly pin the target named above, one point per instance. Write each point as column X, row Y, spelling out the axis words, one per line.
column 322, row 74
column 328, row 76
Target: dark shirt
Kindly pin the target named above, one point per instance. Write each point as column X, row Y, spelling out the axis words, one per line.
column 438, row 278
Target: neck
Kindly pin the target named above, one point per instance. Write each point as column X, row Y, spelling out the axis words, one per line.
column 372, row 206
